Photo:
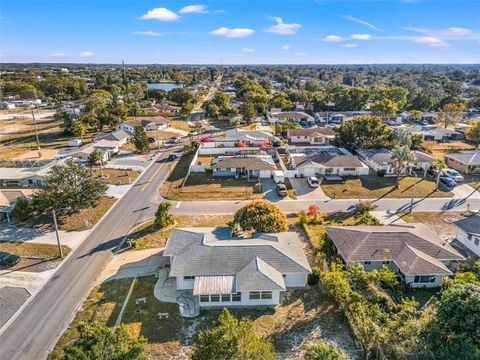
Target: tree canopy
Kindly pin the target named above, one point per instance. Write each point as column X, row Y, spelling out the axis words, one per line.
column 261, row 216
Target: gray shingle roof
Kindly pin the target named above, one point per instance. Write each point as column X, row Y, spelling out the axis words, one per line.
column 211, row 251
column 327, row 161
column 311, row 132
column 468, row 157
column 470, row 225
column 247, row 162
column 259, row 275
column 384, row 156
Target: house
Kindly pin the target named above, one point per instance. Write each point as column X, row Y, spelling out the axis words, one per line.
column 467, row 161
column 170, row 109
column 434, row 133
column 312, row 136
column 324, row 160
column 429, row 117
column 283, row 116
column 468, row 233
column 26, row 173
column 221, row 270
column 381, row 159
column 84, row 153
column 414, row 251
column 120, row 137
column 74, row 143
column 250, row 138
column 250, row 166
column 152, row 124
column 8, row 199
column 7, row 106
column 110, row 147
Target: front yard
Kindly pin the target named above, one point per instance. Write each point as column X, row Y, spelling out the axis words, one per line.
column 374, row 187
column 440, row 222
column 202, row 186
column 116, row 176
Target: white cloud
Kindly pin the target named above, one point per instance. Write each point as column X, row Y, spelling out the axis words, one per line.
column 220, row 11
column 85, row 54
column 232, row 33
column 162, row 14
column 455, row 31
column 283, row 29
column 333, row 38
column 285, row 47
column 361, row 36
column 58, row 54
column 300, row 54
column 197, row 9
column 350, row 46
column 147, row 33
column 362, row 22
column 248, row 50
column 431, row 41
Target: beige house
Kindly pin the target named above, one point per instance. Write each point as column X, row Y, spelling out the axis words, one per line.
column 312, row 136
column 467, row 162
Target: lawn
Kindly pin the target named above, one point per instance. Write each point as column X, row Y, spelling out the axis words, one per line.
column 439, row 149
column 117, row 176
column 180, row 124
column 440, row 222
column 374, row 187
column 148, row 236
column 29, row 249
column 74, row 222
column 200, row 186
column 162, row 135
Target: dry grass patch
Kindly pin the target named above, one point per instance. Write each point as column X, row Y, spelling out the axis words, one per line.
column 117, row 176
column 440, row 222
column 439, row 149
column 179, row 124
column 28, row 249
column 374, row 187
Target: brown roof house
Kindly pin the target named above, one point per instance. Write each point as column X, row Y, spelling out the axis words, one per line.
column 312, row 136
column 414, row 251
column 250, row 166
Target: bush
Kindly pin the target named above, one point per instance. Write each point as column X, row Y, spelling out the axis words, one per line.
column 303, row 217
column 23, row 211
column 363, row 207
column 325, row 350
column 381, row 173
column 208, row 171
column 314, row 277
column 369, row 219
column 162, row 217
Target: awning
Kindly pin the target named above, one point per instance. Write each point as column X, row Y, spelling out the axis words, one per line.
column 214, row 285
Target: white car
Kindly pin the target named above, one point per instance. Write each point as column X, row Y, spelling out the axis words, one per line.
column 453, row 174
column 313, row 182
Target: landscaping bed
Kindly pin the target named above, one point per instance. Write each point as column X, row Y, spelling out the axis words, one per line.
column 374, row 187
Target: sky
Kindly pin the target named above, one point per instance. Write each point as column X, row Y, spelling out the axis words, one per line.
column 240, row 32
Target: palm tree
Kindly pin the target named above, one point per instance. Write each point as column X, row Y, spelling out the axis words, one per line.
column 401, row 157
column 438, row 165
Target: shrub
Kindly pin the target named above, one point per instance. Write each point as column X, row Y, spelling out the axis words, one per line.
column 303, row 217
column 162, row 217
column 23, row 210
column 363, row 207
column 261, row 216
column 314, row 277
column 381, row 173
column 368, row 219
column 325, row 350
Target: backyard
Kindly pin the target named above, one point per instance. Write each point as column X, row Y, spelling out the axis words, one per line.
column 374, row 187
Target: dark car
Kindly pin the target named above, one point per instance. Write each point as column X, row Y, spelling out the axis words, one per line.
column 151, row 140
column 9, row 260
column 447, row 182
column 282, row 190
column 171, row 157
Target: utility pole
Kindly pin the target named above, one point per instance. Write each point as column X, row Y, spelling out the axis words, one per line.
column 56, row 232
column 413, row 189
column 36, row 129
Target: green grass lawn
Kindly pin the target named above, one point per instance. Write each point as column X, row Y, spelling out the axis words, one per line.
column 373, row 187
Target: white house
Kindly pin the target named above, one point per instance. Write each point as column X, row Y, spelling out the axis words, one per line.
column 152, row 124
column 26, row 173
column 412, row 250
column 283, row 116
column 249, row 138
column 222, row 271
column 312, row 136
column 120, row 137
column 468, row 233
column 433, row 133
column 250, row 166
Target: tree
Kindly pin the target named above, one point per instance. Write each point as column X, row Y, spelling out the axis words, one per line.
column 181, row 95
column 414, row 115
column 450, row 114
column 23, row 209
column 140, row 139
column 325, row 350
column 247, row 109
column 384, row 108
column 455, row 331
column 79, row 129
column 231, row 339
column 66, row 118
column 70, row 187
column 363, row 132
column 473, row 134
column 401, row 157
column 162, row 217
column 438, row 165
column 95, row 158
column 187, row 108
column 261, row 216
column 104, row 343
column 280, row 100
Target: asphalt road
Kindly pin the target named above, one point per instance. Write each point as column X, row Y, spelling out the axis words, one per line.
column 35, row 331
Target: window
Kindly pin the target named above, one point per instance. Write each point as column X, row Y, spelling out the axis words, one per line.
column 386, row 262
column 349, row 169
column 188, row 277
column 204, row 298
column 214, row 298
column 254, row 295
column 266, row 294
column 367, row 262
column 225, row 297
column 476, row 241
column 237, row 297
column 469, row 237
column 424, row 279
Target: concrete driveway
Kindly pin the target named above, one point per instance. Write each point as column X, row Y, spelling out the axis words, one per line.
column 305, row 192
column 269, row 188
column 465, row 191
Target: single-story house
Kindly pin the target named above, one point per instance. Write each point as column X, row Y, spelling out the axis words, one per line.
column 251, row 166
column 120, row 137
column 414, row 251
column 84, row 153
column 7, row 106
column 152, row 124
column 283, row 116
column 324, row 160
column 26, row 173
column 467, row 161
column 111, row 147
column 167, row 109
column 221, row 270
column 8, row 199
column 468, row 233
column 434, row 133
column 381, row 159
column 428, row 116
column 313, row 136
column 250, row 138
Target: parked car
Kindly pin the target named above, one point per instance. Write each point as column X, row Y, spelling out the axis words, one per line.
column 175, row 139
column 282, row 190
column 151, row 140
column 313, row 182
column 447, row 182
column 171, row 157
column 193, row 133
column 8, row 259
column 453, row 174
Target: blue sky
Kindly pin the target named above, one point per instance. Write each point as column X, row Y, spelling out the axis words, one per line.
column 240, row 32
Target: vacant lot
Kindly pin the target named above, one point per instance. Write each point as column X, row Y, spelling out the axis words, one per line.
column 180, row 124
column 116, row 176
column 200, row 186
column 440, row 222
column 374, row 187
column 149, row 236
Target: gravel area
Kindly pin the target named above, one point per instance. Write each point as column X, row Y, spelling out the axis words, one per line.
column 11, row 299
